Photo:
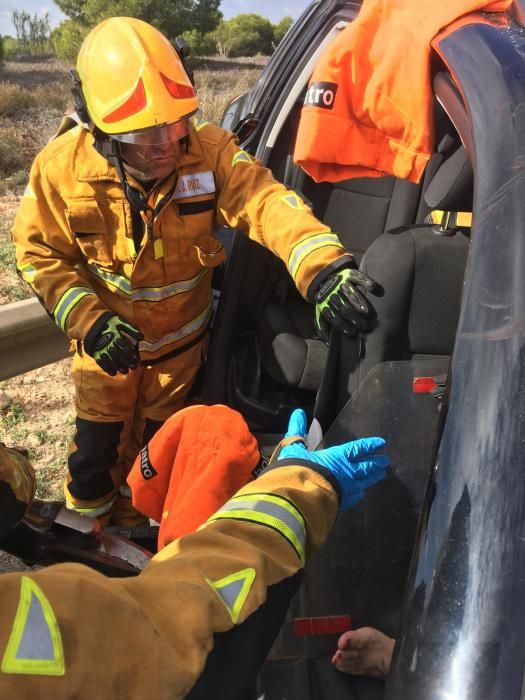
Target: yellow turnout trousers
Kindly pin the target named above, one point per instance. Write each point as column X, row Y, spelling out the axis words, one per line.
column 116, row 416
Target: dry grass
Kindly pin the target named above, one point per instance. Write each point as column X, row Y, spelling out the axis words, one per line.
column 14, row 98
column 38, row 407
column 12, row 288
column 219, row 81
column 33, row 97
column 40, row 417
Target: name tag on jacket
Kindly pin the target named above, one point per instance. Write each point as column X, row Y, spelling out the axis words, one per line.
column 194, row 184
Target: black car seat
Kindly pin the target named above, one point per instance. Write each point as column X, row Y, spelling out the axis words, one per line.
column 420, row 270
column 359, row 210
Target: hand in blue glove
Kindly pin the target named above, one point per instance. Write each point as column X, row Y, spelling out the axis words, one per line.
column 354, row 465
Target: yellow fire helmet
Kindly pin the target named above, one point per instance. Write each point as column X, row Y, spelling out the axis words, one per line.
column 134, row 84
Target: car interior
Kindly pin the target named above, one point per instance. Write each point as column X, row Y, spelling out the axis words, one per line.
column 266, row 359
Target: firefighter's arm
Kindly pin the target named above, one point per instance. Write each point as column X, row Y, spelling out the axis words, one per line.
column 48, row 257
column 17, row 487
column 150, row 636
column 154, row 633
column 250, row 199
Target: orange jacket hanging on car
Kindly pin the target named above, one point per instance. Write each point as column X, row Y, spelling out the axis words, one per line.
column 368, row 109
column 198, row 459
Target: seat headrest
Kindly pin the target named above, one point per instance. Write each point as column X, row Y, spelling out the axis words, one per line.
column 452, row 186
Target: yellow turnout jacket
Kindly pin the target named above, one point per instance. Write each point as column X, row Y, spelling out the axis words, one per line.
column 74, row 239
column 70, row 632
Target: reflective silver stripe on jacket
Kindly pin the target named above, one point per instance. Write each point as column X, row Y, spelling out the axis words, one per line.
column 67, row 302
column 272, row 511
column 188, row 329
column 170, row 290
column 302, row 249
column 123, row 284
column 118, row 281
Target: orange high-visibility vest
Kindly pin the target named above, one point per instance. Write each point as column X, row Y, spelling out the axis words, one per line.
column 197, row 460
column 368, row 108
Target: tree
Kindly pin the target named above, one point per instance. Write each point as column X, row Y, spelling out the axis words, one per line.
column 1, row 49
column 39, row 31
column 74, row 9
column 67, row 38
column 245, row 35
column 224, row 40
column 97, row 10
column 32, row 32
column 280, row 29
column 172, row 18
column 20, row 22
column 199, row 43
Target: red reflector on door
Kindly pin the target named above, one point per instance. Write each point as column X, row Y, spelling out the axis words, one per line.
column 424, row 385
column 310, row 626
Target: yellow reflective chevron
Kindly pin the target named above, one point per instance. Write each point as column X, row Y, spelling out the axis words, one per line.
column 293, row 200
column 29, row 192
column 35, row 643
column 67, row 302
column 27, row 273
column 233, row 591
column 241, row 157
column 270, row 510
column 308, row 245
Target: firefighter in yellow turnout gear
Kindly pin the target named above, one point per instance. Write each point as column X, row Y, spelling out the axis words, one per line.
column 199, row 620
column 115, row 235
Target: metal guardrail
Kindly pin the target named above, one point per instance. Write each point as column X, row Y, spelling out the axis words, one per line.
column 28, row 338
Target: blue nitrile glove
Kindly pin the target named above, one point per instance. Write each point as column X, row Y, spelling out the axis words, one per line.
column 354, row 464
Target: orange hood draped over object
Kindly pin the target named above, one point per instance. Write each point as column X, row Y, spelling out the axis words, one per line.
column 368, row 109
column 197, row 460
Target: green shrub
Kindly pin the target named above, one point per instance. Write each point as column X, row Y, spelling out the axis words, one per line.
column 2, row 53
column 10, row 47
column 67, row 38
column 199, row 43
column 245, row 35
column 280, row 29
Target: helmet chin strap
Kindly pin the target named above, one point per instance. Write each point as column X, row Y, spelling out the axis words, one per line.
column 110, row 150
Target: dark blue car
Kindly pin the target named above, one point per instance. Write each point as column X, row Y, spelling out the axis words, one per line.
column 435, row 555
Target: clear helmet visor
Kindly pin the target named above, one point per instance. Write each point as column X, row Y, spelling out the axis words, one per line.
column 156, row 135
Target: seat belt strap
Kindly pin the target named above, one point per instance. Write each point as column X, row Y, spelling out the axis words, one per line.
column 450, row 219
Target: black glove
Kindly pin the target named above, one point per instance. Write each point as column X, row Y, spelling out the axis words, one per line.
column 339, row 303
column 114, row 344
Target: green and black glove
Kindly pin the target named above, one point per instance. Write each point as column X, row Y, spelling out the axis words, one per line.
column 340, row 303
column 113, row 343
